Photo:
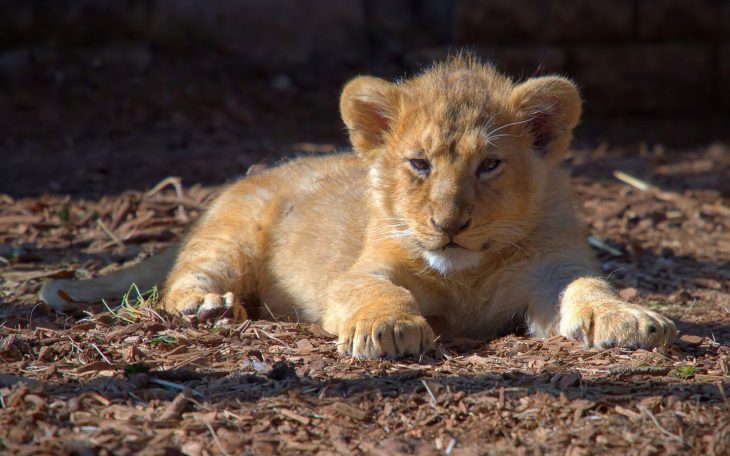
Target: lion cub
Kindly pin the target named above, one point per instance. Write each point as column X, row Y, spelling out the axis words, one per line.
column 450, row 218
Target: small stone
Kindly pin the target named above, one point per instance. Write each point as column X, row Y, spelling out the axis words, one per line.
column 628, row 294
column 304, row 344
column 192, row 447
column 691, row 340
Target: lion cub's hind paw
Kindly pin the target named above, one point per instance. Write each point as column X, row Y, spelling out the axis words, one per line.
column 619, row 324
column 212, row 306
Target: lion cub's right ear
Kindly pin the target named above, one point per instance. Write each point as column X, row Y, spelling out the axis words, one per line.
column 368, row 106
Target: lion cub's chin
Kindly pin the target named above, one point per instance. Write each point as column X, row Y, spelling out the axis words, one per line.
column 452, row 259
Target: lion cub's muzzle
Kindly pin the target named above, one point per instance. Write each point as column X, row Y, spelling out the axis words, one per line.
column 450, row 227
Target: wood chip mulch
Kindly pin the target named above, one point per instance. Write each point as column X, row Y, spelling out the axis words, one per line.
column 143, row 383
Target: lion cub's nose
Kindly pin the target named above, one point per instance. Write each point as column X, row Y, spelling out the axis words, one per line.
column 450, row 227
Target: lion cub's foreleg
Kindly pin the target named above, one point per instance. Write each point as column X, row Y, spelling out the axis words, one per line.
column 590, row 311
column 375, row 318
column 587, row 309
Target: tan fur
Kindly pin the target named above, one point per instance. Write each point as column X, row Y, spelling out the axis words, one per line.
column 76, row 295
column 361, row 241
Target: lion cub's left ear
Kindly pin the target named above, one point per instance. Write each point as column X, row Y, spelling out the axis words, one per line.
column 551, row 107
column 368, row 107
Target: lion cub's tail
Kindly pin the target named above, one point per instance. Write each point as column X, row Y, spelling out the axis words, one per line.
column 65, row 295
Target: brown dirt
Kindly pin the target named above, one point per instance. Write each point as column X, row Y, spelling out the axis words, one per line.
column 143, row 383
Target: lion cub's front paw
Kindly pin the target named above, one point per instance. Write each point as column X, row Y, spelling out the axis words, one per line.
column 614, row 323
column 206, row 306
column 391, row 336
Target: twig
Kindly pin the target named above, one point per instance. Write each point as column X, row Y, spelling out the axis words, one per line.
column 109, row 232
column 273, row 338
column 74, row 344
column 215, row 438
column 121, row 210
column 185, row 201
column 271, row 313
column 176, row 183
column 658, row 425
column 243, row 327
column 231, row 414
column 30, row 316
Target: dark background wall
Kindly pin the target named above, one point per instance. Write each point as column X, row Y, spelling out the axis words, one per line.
column 663, row 63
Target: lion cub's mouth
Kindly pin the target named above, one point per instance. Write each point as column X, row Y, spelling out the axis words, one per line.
column 452, row 257
column 451, row 245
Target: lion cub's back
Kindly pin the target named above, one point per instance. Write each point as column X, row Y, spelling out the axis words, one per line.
column 317, row 233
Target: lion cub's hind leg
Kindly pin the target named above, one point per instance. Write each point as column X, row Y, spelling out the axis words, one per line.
column 217, row 265
column 207, row 280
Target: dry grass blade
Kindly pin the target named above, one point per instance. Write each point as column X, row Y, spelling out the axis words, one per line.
column 430, row 393
column 633, row 181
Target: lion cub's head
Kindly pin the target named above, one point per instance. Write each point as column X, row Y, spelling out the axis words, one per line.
column 459, row 156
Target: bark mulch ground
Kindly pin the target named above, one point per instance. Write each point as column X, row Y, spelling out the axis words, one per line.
column 127, row 380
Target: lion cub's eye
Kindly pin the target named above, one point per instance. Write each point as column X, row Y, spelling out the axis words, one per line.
column 488, row 166
column 420, row 165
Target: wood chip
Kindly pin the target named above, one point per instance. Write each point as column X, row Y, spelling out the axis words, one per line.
column 350, row 411
column 628, row 413
column 178, row 405
column 294, row 416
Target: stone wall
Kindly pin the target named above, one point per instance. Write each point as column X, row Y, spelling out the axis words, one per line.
column 636, row 57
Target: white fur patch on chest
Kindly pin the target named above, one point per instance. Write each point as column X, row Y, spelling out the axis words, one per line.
column 453, row 260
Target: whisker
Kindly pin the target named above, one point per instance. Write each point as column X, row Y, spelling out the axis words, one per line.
column 510, row 124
